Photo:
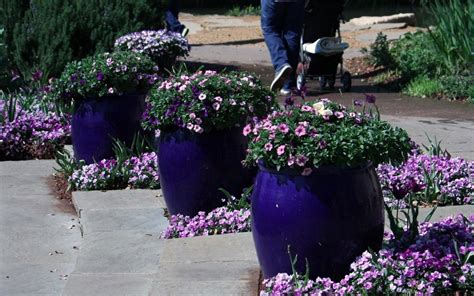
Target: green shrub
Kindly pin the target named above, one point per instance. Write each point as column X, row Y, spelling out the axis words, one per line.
column 414, row 56
column 380, row 52
column 53, row 32
column 458, row 87
column 243, row 10
column 423, row 86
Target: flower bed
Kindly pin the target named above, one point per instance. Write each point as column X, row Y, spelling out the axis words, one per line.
column 31, row 135
column 439, row 261
column 135, row 172
column 437, row 180
column 161, row 44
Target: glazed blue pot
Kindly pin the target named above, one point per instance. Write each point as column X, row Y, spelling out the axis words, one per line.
column 194, row 166
column 327, row 218
column 97, row 121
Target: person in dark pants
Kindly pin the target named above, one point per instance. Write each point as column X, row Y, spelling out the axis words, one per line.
column 282, row 23
column 172, row 20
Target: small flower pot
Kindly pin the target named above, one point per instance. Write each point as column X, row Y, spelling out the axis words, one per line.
column 327, row 218
column 194, row 166
column 97, row 121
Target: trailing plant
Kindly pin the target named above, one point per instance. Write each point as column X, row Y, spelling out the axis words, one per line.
column 206, row 101
column 324, row 133
column 239, row 10
column 106, row 74
column 158, row 45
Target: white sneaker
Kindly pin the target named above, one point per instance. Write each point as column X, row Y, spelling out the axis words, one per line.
column 285, row 92
column 280, row 77
column 185, row 32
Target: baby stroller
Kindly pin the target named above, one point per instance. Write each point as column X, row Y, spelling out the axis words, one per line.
column 321, row 50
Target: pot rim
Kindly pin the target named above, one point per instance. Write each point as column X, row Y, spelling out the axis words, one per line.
column 324, row 170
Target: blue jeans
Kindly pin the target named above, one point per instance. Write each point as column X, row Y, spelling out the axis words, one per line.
column 171, row 16
column 282, row 23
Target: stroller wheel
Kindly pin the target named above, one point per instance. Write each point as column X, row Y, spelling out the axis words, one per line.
column 346, row 80
column 331, row 81
column 322, row 82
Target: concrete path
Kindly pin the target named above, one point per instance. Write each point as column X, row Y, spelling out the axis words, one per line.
column 39, row 242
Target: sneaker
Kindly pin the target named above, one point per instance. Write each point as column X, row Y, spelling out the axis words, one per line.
column 185, row 32
column 285, row 92
column 280, row 77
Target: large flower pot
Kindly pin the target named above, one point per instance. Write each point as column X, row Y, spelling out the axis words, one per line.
column 327, row 218
column 194, row 166
column 97, row 121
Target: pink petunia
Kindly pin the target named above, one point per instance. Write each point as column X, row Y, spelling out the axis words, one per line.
column 283, row 128
column 339, row 114
column 307, row 172
column 281, row 149
column 216, row 106
column 306, row 108
column 268, row 146
column 300, row 131
column 247, row 130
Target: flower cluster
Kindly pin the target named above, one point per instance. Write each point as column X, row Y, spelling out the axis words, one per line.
column 106, row 74
column 323, row 133
column 135, row 172
column 158, row 45
column 143, row 171
column 207, row 101
column 438, row 262
column 219, row 221
column 34, row 134
column 449, row 178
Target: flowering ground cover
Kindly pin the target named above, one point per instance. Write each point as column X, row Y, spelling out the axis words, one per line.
column 435, row 179
column 31, row 133
column 439, row 261
column 135, row 172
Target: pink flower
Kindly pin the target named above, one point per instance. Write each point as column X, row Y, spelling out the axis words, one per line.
column 300, row 131
column 216, row 106
column 189, row 126
column 281, row 149
column 306, row 108
column 192, row 116
column 247, row 130
column 198, row 120
column 111, row 90
column 202, row 96
column 283, row 128
column 339, row 114
column 219, row 99
column 291, row 161
column 301, row 160
column 306, row 172
column 232, row 102
column 198, row 129
column 352, row 114
column 268, row 146
column 326, row 117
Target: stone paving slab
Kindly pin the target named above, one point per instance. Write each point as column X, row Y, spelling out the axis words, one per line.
column 146, row 220
column 33, row 279
column 371, row 36
column 119, row 252
column 27, row 167
column 456, row 136
column 23, row 185
column 206, row 288
column 117, row 199
column 108, row 285
column 208, row 266
column 226, row 247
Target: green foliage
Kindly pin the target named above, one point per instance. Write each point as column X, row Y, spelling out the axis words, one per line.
column 453, row 38
column 106, row 73
column 423, row 86
column 239, row 10
column 457, row 87
column 48, row 34
column 380, row 52
column 324, row 134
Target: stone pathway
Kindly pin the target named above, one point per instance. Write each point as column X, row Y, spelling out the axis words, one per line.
column 38, row 241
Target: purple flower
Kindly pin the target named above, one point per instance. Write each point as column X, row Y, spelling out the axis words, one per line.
column 281, row 149
column 300, row 131
column 283, row 128
column 100, row 76
column 37, row 75
column 370, row 99
column 356, row 102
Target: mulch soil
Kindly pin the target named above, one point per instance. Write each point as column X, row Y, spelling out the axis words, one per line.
column 58, row 185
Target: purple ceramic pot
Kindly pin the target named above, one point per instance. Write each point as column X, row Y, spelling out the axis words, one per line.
column 194, row 166
column 97, row 121
column 327, row 218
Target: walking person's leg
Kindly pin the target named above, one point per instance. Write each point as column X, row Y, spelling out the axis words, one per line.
column 292, row 29
column 172, row 17
column 272, row 21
